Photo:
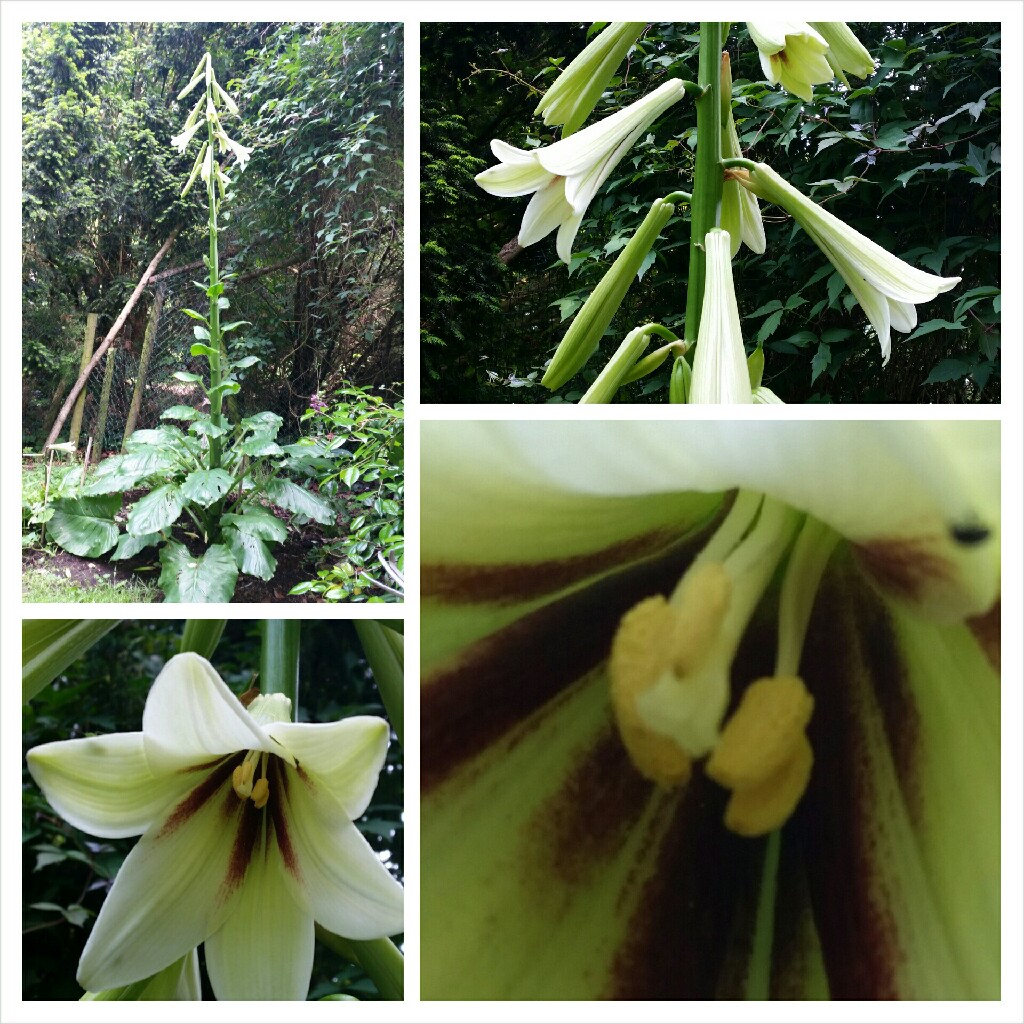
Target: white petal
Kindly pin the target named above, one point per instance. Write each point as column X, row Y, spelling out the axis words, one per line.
column 343, row 883
column 509, row 180
column 191, row 716
column 901, row 482
column 169, row 895
column 103, row 784
column 264, row 950
column 511, row 155
column 545, row 212
column 344, row 757
column 574, row 154
column 903, row 315
column 566, row 236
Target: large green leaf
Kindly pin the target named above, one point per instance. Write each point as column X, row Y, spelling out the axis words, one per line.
column 297, row 499
column 260, row 444
column 85, row 526
column 264, row 422
column 156, row 511
column 205, row 486
column 251, row 553
column 208, row 578
column 129, row 546
column 257, row 522
column 165, row 436
column 123, row 472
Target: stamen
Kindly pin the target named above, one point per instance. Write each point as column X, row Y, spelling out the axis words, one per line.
column 764, row 755
column 261, row 792
column 241, row 778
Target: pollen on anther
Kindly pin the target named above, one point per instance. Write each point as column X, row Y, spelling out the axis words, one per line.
column 261, row 793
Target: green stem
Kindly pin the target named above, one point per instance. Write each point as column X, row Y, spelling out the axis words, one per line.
column 201, row 636
column 380, row 958
column 739, row 161
column 279, row 659
column 216, row 397
column 707, row 182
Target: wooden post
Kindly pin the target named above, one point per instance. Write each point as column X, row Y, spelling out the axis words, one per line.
column 108, row 340
column 90, row 339
column 144, row 358
column 101, row 415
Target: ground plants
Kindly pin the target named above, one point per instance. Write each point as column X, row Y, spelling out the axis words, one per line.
column 355, row 452
column 215, row 475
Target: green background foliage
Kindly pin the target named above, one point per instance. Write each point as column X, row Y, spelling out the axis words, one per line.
column 69, row 872
column 910, row 158
column 320, row 200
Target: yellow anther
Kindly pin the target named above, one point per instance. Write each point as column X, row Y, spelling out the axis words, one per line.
column 757, row 810
column 241, row 779
column 764, row 756
column 261, row 792
column 640, row 654
column 658, row 639
column 763, row 733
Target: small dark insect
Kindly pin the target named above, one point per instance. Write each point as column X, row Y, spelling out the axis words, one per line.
column 969, row 533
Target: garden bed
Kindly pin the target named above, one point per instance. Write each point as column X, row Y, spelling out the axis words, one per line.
column 292, row 568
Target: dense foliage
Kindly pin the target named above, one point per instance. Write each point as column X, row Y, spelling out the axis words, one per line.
column 910, row 157
column 316, row 229
column 67, row 873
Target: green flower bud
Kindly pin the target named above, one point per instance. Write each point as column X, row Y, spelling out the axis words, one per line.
column 587, row 329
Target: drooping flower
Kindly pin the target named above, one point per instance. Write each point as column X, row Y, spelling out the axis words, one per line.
column 719, row 361
column 565, row 176
column 740, row 214
column 247, row 835
column 856, row 568
column 793, row 55
column 572, row 96
column 845, row 51
column 887, row 288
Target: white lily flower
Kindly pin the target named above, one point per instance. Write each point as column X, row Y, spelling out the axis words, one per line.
column 247, row 835
column 887, row 288
column 740, row 214
column 180, row 142
column 242, row 153
column 845, row 50
column 792, row 55
column 719, row 361
column 566, row 175
column 574, row 93
column 589, row 628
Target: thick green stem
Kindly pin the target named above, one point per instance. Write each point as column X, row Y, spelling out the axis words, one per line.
column 707, row 182
column 216, row 397
column 201, row 636
column 380, row 958
column 279, row 659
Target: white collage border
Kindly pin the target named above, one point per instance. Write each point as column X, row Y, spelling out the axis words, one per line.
column 13, row 12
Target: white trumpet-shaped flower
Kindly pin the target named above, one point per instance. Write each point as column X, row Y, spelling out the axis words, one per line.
column 565, row 176
column 719, row 362
column 813, row 608
column 740, row 215
column 793, row 55
column 845, row 51
column 247, row 835
column 573, row 94
column 887, row 288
